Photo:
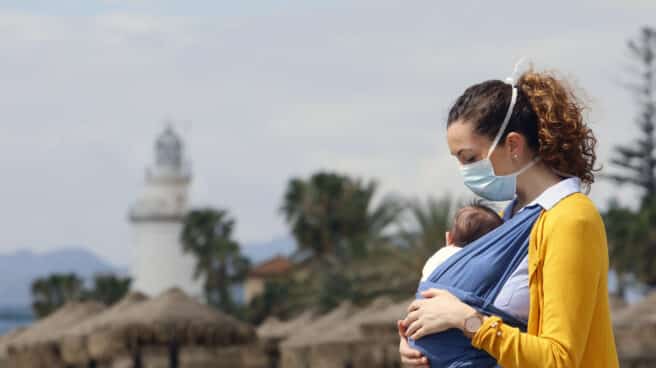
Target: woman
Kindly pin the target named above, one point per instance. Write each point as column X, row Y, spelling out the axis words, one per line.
column 543, row 155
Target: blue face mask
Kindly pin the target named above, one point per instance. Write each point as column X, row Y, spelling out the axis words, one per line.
column 479, row 176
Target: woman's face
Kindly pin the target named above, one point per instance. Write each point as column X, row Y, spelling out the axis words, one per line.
column 468, row 147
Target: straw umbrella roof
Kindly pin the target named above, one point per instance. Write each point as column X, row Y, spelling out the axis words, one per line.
column 73, row 344
column 6, row 339
column 639, row 313
column 616, row 303
column 338, row 315
column 36, row 346
column 348, row 330
column 275, row 329
column 171, row 317
column 388, row 315
column 52, row 327
column 635, row 329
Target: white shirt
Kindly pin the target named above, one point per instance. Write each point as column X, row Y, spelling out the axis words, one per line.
column 437, row 259
column 514, row 295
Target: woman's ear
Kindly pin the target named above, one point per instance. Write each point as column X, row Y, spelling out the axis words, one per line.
column 515, row 143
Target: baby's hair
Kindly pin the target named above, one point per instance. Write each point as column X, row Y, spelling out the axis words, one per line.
column 472, row 221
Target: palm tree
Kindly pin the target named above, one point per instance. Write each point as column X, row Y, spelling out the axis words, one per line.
column 430, row 221
column 422, row 234
column 108, row 289
column 51, row 292
column 332, row 216
column 207, row 234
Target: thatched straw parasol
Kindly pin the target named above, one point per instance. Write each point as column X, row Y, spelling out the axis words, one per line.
column 383, row 322
column 6, row 339
column 73, row 344
column 36, row 346
column 338, row 315
column 638, row 313
column 616, row 303
column 635, row 332
column 348, row 330
column 295, row 351
column 274, row 329
column 171, row 319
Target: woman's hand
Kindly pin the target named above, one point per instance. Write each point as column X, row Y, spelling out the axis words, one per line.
column 410, row 357
column 439, row 312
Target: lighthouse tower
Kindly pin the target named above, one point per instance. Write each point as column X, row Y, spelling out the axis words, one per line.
column 156, row 220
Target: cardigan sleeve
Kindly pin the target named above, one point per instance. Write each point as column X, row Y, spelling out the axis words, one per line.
column 571, row 270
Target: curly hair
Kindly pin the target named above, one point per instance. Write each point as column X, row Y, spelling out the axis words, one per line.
column 547, row 113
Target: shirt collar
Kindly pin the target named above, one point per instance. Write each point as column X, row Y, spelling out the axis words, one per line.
column 550, row 197
column 557, row 192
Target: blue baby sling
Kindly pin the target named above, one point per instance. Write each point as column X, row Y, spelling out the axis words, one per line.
column 476, row 274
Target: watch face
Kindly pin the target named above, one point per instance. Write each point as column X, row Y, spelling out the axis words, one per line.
column 472, row 324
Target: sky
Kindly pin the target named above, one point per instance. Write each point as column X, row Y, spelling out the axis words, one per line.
column 265, row 91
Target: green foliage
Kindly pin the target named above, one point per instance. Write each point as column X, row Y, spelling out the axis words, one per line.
column 335, row 288
column 108, row 289
column 632, row 241
column 429, row 222
column 207, row 234
column 636, row 161
column 358, row 251
column 631, row 234
column 274, row 301
column 332, row 216
column 52, row 292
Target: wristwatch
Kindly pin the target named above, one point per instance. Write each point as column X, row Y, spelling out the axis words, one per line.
column 472, row 324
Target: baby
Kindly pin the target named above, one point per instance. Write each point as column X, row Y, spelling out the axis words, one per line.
column 470, row 223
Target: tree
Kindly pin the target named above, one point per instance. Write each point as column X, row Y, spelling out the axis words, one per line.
column 430, row 220
column 274, row 301
column 207, row 234
column 108, row 289
column 632, row 243
column 631, row 238
column 637, row 160
column 51, row 292
column 332, row 216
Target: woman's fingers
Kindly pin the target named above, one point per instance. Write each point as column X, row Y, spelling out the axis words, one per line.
column 408, row 352
column 418, row 334
column 431, row 293
column 414, row 362
column 414, row 305
column 411, row 317
column 414, row 326
column 401, row 328
column 411, row 357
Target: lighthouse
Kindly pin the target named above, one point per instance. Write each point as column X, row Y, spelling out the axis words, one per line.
column 157, row 218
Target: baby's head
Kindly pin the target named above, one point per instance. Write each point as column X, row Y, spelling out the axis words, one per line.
column 472, row 222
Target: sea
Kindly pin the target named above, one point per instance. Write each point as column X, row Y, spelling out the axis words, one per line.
column 12, row 317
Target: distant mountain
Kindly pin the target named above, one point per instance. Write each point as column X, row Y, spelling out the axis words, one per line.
column 19, row 269
column 259, row 252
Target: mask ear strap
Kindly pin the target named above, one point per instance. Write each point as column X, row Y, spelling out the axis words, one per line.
column 528, row 166
column 506, row 120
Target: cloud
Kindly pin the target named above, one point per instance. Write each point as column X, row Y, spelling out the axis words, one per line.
column 361, row 88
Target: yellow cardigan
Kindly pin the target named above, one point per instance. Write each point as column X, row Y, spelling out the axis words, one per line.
column 569, row 321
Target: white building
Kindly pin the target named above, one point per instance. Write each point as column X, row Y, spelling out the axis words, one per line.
column 156, row 220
